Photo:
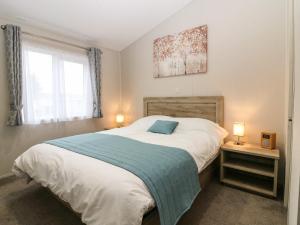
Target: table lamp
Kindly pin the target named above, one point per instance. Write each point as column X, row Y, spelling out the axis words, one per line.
column 239, row 131
column 120, row 119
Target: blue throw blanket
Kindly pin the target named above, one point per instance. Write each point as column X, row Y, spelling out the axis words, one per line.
column 169, row 173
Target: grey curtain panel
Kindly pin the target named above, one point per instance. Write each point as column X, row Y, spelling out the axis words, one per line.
column 94, row 55
column 12, row 37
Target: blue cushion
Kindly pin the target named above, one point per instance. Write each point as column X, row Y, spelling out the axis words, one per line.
column 163, row 127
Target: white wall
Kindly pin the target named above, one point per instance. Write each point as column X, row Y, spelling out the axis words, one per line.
column 295, row 163
column 246, row 63
column 15, row 140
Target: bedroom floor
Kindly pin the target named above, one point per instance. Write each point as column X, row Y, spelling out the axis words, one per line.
column 22, row 204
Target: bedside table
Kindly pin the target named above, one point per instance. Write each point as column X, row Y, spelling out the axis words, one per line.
column 250, row 167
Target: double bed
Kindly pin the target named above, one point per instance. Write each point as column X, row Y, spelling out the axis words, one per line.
column 103, row 193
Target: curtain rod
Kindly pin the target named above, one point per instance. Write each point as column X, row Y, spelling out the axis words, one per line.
column 3, row 27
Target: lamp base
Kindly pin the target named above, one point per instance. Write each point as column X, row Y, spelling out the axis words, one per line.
column 120, row 125
column 239, row 143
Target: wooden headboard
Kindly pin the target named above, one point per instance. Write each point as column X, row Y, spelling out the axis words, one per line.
column 207, row 107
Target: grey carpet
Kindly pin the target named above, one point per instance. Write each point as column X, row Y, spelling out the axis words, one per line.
column 22, row 204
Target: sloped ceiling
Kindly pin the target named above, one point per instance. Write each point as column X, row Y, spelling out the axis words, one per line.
column 114, row 24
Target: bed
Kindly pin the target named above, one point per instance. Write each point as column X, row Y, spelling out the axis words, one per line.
column 119, row 196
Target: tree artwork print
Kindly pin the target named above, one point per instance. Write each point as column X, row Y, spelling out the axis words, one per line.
column 181, row 54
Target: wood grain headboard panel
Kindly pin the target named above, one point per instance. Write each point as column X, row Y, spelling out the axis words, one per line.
column 207, row 107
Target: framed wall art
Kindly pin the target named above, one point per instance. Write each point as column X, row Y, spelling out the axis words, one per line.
column 180, row 54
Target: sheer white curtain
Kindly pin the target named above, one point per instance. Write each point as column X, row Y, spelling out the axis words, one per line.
column 56, row 83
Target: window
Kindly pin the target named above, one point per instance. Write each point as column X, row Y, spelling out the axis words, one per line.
column 56, row 84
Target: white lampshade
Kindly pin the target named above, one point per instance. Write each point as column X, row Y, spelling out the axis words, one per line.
column 119, row 118
column 239, row 129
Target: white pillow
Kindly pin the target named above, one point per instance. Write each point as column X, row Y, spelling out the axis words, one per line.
column 198, row 124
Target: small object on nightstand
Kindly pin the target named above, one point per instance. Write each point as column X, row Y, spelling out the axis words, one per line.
column 239, row 131
column 250, row 167
column 268, row 140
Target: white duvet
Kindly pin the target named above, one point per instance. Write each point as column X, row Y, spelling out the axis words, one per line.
column 103, row 193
